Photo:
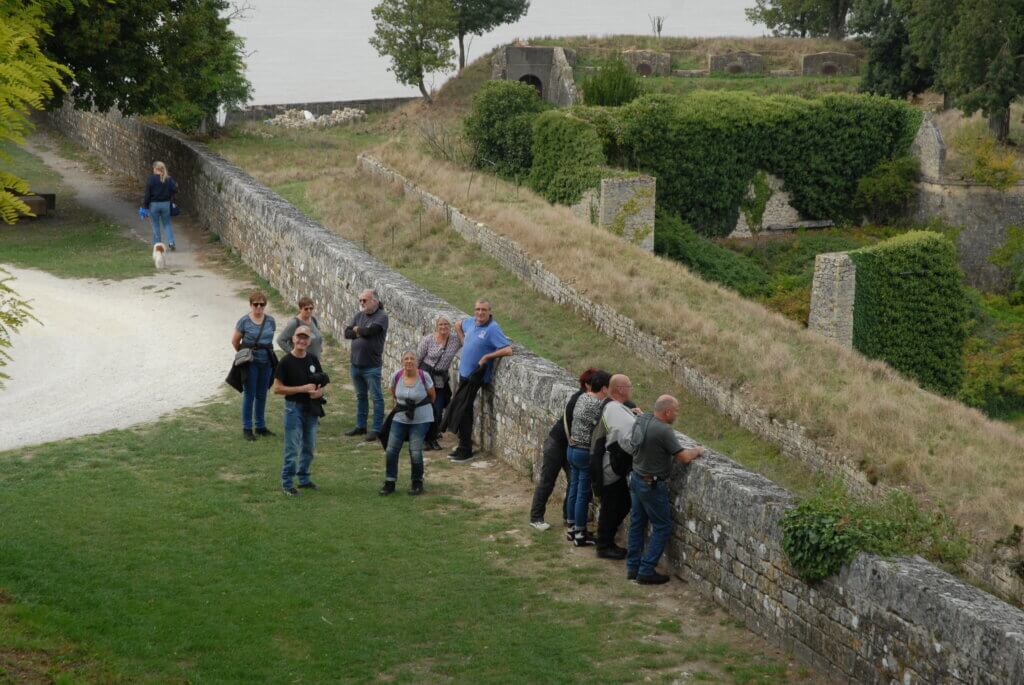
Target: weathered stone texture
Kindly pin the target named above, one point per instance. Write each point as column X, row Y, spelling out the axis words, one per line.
column 830, row 64
column 741, row 62
column 779, row 213
column 649, row 62
column 624, row 206
column 832, row 297
column 929, row 149
column 550, row 66
column 900, row 621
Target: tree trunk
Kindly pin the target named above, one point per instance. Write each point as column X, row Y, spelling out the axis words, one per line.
column 947, row 102
column 462, row 50
column 999, row 124
column 423, row 90
column 837, row 19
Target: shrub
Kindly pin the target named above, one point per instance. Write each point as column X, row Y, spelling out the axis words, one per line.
column 910, row 308
column 500, row 127
column 983, row 162
column 676, row 240
column 567, row 157
column 706, row 147
column 1010, row 256
column 613, row 85
column 884, row 195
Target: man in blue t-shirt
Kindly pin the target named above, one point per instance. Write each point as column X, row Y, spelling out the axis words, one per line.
column 483, row 341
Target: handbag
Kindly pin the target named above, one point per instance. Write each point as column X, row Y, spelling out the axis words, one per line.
column 175, row 209
column 244, row 355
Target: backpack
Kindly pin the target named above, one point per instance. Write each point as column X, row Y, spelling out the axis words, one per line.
column 637, row 435
column 394, row 381
column 598, row 440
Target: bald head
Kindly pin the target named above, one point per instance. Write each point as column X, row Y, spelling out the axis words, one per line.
column 666, row 408
column 620, row 388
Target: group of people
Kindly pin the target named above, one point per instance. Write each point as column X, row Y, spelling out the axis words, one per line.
column 421, row 388
column 607, row 446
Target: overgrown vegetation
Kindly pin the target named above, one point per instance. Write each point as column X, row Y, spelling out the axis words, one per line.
column 614, row 84
column 984, row 162
column 500, row 127
column 676, row 240
column 910, row 308
column 567, row 157
column 885, row 193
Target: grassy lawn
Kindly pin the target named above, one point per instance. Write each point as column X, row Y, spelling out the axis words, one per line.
column 73, row 242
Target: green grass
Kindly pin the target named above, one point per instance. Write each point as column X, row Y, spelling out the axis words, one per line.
column 804, row 86
column 72, row 242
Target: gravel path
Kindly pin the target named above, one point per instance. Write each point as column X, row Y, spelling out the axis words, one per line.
column 114, row 354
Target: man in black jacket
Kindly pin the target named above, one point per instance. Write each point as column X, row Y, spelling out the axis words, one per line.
column 367, row 331
column 616, row 464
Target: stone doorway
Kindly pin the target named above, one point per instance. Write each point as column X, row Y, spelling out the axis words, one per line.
column 535, row 82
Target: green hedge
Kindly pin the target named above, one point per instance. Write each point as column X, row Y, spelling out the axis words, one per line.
column 500, row 127
column 705, row 147
column 910, row 308
column 567, row 157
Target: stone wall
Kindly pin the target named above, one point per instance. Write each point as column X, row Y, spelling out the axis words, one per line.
column 879, row 621
column 929, row 149
column 779, row 213
column 830, row 64
column 623, row 205
column 832, row 297
column 550, row 67
column 649, row 62
column 262, row 112
column 741, row 62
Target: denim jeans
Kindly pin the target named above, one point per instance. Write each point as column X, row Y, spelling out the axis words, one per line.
column 161, row 211
column 649, row 505
column 400, row 432
column 300, row 426
column 367, row 380
column 254, row 395
column 579, row 486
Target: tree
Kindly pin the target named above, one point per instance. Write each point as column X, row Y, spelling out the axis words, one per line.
column 177, row 57
column 27, row 79
column 983, row 60
column 416, row 35
column 14, row 313
column 892, row 68
column 477, row 17
column 802, row 18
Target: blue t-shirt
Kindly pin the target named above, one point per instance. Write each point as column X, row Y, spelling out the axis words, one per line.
column 480, row 340
column 250, row 328
column 414, row 394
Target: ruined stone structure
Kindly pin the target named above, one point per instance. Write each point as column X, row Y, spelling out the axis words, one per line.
column 549, row 70
column 649, row 62
column 830, row 64
column 879, row 621
column 779, row 213
column 623, row 205
column 930, row 149
column 741, row 62
column 832, row 297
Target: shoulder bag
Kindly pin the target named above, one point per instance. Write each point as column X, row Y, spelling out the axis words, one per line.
column 244, row 355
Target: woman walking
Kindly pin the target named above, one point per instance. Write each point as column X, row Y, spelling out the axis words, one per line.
column 255, row 331
column 303, row 318
column 160, row 191
column 412, row 417
column 585, row 416
column 434, row 356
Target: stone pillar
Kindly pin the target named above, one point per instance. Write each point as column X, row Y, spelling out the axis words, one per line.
column 929, row 149
column 832, row 297
column 624, row 206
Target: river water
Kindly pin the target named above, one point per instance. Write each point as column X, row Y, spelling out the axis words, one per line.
column 317, row 50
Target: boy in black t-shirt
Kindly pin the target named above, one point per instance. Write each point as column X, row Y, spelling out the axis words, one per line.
column 301, row 380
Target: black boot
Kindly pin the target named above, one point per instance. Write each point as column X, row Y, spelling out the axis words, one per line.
column 265, row 433
column 417, row 488
column 248, row 434
column 387, row 488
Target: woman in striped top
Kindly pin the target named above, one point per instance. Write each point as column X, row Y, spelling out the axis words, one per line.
column 434, row 356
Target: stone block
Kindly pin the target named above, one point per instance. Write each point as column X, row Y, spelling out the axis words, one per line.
column 648, row 62
column 548, row 69
column 832, row 297
column 740, row 62
column 779, row 214
column 830, row 64
column 930, row 149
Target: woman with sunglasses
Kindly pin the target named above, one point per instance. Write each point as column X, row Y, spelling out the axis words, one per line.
column 303, row 318
column 255, row 330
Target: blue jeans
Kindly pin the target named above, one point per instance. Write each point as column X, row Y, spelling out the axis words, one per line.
column 579, row 486
column 400, row 432
column 161, row 211
column 367, row 379
column 649, row 505
column 299, row 442
column 254, row 395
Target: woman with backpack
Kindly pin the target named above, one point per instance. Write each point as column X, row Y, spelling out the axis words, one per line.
column 413, row 391
column 585, row 415
column 303, row 318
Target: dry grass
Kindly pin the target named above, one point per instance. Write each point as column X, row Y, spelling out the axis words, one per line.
column 952, row 121
column 942, row 450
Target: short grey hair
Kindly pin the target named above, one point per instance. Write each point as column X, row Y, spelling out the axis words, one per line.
column 665, row 402
column 373, row 293
column 408, row 352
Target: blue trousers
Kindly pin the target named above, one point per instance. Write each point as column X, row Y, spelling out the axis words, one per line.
column 161, row 212
column 400, row 432
column 254, row 395
column 650, row 505
column 578, row 505
column 366, row 381
column 300, row 427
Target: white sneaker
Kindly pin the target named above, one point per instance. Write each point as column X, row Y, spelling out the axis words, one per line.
column 540, row 525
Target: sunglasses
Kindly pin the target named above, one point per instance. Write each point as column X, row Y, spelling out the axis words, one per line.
column 307, row 309
column 258, row 304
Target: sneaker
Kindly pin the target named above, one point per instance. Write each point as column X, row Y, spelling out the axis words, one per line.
column 173, row 247
column 265, row 433
column 453, row 453
column 247, row 433
column 291, row 492
column 570, row 534
column 613, row 552
column 540, row 525
column 433, row 446
column 371, row 436
column 652, row 578
column 356, row 431
column 417, row 488
column 461, row 457
column 387, row 489
column 583, row 539
column 309, row 486
column 631, row 574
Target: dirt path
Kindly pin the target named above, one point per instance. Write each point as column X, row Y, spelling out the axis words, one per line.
column 111, row 354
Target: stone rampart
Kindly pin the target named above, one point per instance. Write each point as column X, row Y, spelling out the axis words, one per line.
column 879, row 621
column 623, row 205
column 648, row 62
column 741, row 62
column 832, row 297
column 830, row 64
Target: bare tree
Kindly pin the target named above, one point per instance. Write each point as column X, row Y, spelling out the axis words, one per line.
column 657, row 24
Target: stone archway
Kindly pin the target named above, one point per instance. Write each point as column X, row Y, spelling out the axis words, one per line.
column 535, row 82
column 644, row 69
column 734, row 69
column 829, row 69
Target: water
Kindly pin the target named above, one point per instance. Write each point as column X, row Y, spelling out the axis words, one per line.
column 317, row 50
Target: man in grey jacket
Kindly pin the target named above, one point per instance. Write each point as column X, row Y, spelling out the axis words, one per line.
column 367, row 331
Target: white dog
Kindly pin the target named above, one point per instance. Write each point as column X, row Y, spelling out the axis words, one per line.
column 159, row 255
